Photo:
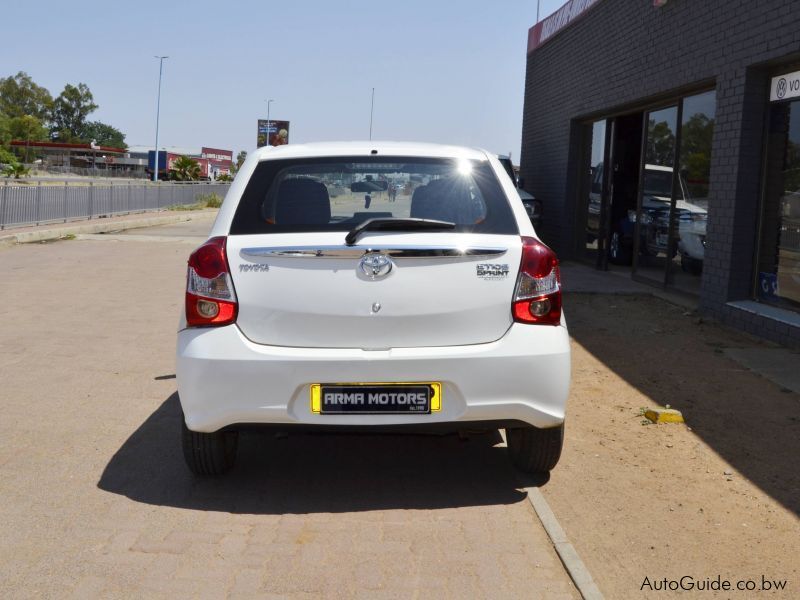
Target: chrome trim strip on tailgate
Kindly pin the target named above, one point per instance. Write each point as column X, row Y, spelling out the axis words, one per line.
column 359, row 251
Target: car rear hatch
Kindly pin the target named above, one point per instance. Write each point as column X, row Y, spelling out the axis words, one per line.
column 374, row 252
column 389, row 290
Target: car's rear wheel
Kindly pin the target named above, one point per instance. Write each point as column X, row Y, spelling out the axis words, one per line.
column 209, row 453
column 619, row 253
column 691, row 265
column 535, row 450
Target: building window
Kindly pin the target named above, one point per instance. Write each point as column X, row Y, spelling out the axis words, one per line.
column 778, row 268
column 645, row 189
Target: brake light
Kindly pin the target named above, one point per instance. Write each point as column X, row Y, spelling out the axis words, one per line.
column 537, row 299
column 210, row 297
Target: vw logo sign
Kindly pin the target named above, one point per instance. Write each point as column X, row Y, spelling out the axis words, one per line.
column 375, row 265
column 780, row 91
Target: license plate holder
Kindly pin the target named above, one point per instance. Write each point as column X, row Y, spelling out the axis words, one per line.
column 413, row 398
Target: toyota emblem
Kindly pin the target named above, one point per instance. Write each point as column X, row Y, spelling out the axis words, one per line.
column 375, row 265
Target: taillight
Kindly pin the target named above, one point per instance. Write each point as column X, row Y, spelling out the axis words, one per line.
column 210, row 297
column 537, row 298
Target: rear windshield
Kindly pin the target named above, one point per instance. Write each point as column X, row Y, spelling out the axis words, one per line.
column 336, row 194
column 658, row 183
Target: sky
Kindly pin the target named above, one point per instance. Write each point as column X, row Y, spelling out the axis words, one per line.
column 443, row 71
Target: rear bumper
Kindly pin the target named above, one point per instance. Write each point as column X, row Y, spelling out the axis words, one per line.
column 225, row 379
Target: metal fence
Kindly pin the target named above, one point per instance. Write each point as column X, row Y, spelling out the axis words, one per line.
column 116, row 171
column 46, row 201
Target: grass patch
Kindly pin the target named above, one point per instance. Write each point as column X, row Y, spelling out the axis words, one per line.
column 203, row 201
column 183, row 207
column 210, row 200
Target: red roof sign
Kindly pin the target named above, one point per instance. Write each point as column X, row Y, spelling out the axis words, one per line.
column 564, row 16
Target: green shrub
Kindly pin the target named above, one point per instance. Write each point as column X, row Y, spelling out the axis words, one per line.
column 209, row 200
column 16, row 171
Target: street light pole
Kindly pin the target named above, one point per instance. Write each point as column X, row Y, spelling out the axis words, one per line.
column 537, row 10
column 371, row 110
column 270, row 101
column 158, row 113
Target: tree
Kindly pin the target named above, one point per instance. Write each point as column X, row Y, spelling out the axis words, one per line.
column 20, row 96
column 103, row 135
column 5, row 131
column 696, row 137
column 70, row 110
column 27, row 129
column 185, row 169
column 660, row 144
column 6, row 157
column 240, row 158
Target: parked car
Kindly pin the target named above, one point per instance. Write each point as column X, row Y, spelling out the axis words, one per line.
column 594, row 205
column 690, row 219
column 440, row 310
column 532, row 205
column 690, row 223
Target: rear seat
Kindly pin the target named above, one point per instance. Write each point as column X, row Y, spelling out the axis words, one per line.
column 447, row 199
column 302, row 201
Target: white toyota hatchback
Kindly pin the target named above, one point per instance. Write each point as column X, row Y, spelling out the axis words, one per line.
column 372, row 286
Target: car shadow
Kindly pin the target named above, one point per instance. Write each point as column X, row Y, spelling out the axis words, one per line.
column 750, row 422
column 308, row 473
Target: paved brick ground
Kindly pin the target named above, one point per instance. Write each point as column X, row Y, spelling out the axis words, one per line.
column 95, row 499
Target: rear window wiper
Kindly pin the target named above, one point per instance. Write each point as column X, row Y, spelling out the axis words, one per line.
column 397, row 224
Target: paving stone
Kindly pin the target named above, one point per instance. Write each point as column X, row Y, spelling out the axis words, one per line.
column 95, row 500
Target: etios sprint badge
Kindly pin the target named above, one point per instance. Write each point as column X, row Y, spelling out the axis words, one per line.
column 492, row 271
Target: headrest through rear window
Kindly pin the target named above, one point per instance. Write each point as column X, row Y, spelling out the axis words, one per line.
column 448, row 199
column 419, row 202
column 302, row 202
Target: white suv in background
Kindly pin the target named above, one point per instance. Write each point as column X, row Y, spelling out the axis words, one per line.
column 355, row 286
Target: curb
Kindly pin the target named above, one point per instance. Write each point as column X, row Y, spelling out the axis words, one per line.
column 578, row 572
column 99, row 226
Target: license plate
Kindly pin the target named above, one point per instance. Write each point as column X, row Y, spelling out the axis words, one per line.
column 661, row 240
column 417, row 398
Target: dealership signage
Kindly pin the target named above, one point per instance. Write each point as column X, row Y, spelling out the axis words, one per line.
column 217, row 156
column 785, row 87
column 564, row 16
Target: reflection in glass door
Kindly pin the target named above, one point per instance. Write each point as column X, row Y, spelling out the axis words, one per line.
column 645, row 191
column 778, row 266
column 653, row 236
column 690, row 211
column 595, row 212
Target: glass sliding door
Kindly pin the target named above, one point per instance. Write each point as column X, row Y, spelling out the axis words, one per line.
column 690, row 207
column 652, row 225
column 645, row 191
column 594, row 238
column 624, row 160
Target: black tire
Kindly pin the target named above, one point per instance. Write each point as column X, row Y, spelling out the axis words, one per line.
column 209, row 454
column 535, row 450
column 691, row 265
column 619, row 253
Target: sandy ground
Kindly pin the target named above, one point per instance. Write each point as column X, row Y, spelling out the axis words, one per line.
column 719, row 495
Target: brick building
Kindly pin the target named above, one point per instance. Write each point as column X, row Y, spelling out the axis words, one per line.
column 663, row 138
